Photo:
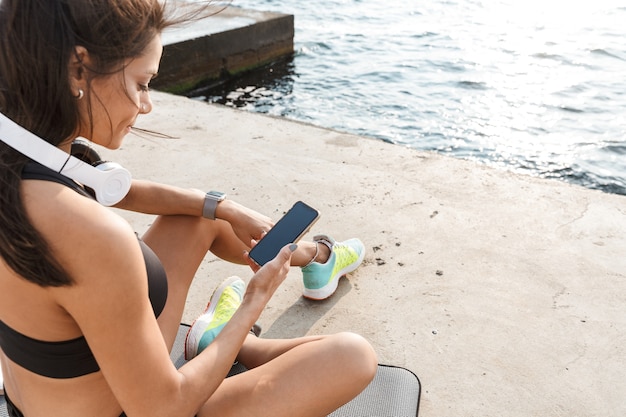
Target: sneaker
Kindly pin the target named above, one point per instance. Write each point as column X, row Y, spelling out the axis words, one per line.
column 321, row 280
column 225, row 300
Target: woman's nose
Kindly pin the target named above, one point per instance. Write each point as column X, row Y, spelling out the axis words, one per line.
column 145, row 107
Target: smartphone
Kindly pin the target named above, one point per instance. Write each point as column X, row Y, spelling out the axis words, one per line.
column 289, row 229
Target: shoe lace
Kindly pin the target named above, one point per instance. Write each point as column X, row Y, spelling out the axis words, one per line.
column 345, row 254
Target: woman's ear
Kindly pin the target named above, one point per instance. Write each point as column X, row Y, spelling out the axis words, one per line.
column 76, row 71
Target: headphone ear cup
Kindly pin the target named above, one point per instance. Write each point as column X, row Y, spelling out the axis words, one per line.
column 114, row 185
column 108, row 180
column 83, row 151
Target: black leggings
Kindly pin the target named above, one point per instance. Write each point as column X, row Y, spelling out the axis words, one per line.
column 11, row 408
column 15, row 412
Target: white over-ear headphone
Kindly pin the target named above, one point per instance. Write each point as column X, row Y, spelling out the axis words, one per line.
column 110, row 181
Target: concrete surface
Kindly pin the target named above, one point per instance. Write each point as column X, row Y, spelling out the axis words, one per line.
column 505, row 294
column 229, row 42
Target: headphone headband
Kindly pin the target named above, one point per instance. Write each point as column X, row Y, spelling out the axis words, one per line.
column 110, row 181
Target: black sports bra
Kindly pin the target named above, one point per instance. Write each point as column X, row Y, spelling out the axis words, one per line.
column 71, row 358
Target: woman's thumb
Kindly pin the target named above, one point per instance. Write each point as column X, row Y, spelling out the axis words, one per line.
column 288, row 250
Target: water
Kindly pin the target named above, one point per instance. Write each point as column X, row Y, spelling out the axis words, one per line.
column 535, row 86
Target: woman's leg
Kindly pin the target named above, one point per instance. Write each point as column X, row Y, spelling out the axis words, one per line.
column 305, row 376
column 182, row 242
column 309, row 376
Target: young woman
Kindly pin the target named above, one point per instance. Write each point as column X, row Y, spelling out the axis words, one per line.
column 89, row 311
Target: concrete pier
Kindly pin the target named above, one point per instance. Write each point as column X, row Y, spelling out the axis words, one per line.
column 232, row 41
column 505, row 294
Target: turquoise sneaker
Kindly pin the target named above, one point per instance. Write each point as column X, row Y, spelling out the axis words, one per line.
column 225, row 300
column 321, row 280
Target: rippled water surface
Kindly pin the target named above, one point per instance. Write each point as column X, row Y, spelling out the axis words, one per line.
column 533, row 86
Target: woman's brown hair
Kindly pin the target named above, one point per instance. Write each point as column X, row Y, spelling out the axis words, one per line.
column 38, row 38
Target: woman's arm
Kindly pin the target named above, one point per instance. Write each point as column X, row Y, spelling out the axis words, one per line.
column 161, row 199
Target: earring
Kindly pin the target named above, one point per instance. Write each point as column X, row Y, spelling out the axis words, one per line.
column 80, row 95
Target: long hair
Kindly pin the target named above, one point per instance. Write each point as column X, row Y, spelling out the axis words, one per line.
column 38, row 39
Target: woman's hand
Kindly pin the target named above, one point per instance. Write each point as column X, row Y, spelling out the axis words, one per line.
column 268, row 278
column 247, row 224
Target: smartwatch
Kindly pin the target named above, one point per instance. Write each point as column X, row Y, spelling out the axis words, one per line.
column 210, row 203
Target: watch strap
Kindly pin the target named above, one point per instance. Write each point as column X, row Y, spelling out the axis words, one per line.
column 211, row 199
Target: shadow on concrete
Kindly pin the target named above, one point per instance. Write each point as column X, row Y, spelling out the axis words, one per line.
column 298, row 319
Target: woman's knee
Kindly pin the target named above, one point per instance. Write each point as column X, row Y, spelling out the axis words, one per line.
column 357, row 355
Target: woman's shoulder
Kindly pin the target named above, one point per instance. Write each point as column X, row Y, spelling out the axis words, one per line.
column 95, row 246
column 76, row 227
column 55, row 208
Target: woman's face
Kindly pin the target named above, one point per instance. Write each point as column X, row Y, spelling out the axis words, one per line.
column 116, row 101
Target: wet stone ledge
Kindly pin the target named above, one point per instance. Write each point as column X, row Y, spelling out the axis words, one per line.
column 233, row 41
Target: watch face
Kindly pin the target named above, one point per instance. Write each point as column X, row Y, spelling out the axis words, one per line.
column 216, row 195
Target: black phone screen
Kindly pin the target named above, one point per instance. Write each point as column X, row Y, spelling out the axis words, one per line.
column 289, row 229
